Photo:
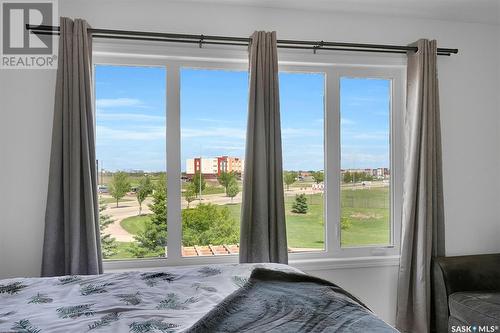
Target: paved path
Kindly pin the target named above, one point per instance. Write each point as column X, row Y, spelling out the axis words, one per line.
column 125, row 209
column 131, row 207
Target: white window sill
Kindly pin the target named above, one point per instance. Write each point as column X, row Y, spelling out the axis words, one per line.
column 325, row 264
column 318, row 264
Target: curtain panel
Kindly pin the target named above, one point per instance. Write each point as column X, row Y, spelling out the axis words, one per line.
column 263, row 229
column 72, row 239
column 423, row 211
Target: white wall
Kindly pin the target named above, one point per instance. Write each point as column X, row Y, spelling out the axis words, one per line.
column 26, row 102
column 469, row 85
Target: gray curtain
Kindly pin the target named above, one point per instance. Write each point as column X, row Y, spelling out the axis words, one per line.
column 71, row 242
column 263, row 230
column 423, row 214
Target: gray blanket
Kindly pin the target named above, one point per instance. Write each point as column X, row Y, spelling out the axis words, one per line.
column 273, row 301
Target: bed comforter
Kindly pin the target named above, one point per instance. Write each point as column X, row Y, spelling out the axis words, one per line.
column 284, row 302
column 172, row 299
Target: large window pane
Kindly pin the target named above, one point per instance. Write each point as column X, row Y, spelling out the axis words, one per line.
column 130, row 148
column 365, row 161
column 213, row 128
column 302, row 131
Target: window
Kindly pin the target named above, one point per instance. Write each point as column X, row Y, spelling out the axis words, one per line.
column 131, row 145
column 214, row 107
column 367, row 158
column 302, row 131
column 365, row 114
column 171, row 134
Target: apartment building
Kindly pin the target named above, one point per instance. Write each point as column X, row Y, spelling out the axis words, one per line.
column 211, row 167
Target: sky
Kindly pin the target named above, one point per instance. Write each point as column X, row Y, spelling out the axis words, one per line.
column 131, row 118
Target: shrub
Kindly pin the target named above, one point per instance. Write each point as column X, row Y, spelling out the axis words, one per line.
column 289, row 177
column 208, row 224
column 300, row 204
column 190, row 194
column 232, row 189
column 345, row 223
column 108, row 243
column 153, row 239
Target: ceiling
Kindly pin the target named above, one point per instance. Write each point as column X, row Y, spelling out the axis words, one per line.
column 479, row 11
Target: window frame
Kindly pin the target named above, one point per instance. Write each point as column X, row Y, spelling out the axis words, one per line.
column 395, row 75
column 333, row 255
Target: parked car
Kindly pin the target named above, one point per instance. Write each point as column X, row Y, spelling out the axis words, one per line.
column 102, row 189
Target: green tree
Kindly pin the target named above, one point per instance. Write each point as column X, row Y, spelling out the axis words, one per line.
column 119, row 185
column 356, row 176
column 289, row 177
column 225, row 179
column 367, row 177
column 199, row 183
column 190, row 194
column 318, row 176
column 153, row 239
column 108, row 243
column 347, row 177
column 144, row 189
column 300, row 204
column 232, row 189
column 345, row 223
column 208, row 224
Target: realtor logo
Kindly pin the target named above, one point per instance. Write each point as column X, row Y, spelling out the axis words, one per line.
column 20, row 48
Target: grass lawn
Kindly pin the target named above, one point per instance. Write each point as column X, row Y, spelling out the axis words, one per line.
column 134, row 178
column 134, row 224
column 109, row 200
column 213, row 190
column 302, row 184
column 209, row 189
column 304, row 230
column 367, row 209
column 121, row 251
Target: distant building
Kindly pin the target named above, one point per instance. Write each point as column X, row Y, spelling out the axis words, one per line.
column 379, row 173
column 304, row 174
column 212, row 167
column 132, row 171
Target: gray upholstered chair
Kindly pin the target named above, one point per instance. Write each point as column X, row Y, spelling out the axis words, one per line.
column 466, row 291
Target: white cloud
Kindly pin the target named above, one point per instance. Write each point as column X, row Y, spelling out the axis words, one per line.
column 345, row 121
column 117, row 102
column 288, row 133
column 229, row 147
column 210, row 132
column 149, row 133
column 371, row 136
column 363, row 159
column 138, row 117
column 217, row 121
column 362, row 146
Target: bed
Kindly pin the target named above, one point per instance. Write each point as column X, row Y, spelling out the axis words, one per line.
column 212, row 298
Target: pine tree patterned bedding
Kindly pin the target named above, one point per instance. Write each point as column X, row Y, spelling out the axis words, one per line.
column 167, row 300
column 192, row 299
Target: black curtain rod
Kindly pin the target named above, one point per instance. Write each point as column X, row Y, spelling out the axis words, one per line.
column 236, row 41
